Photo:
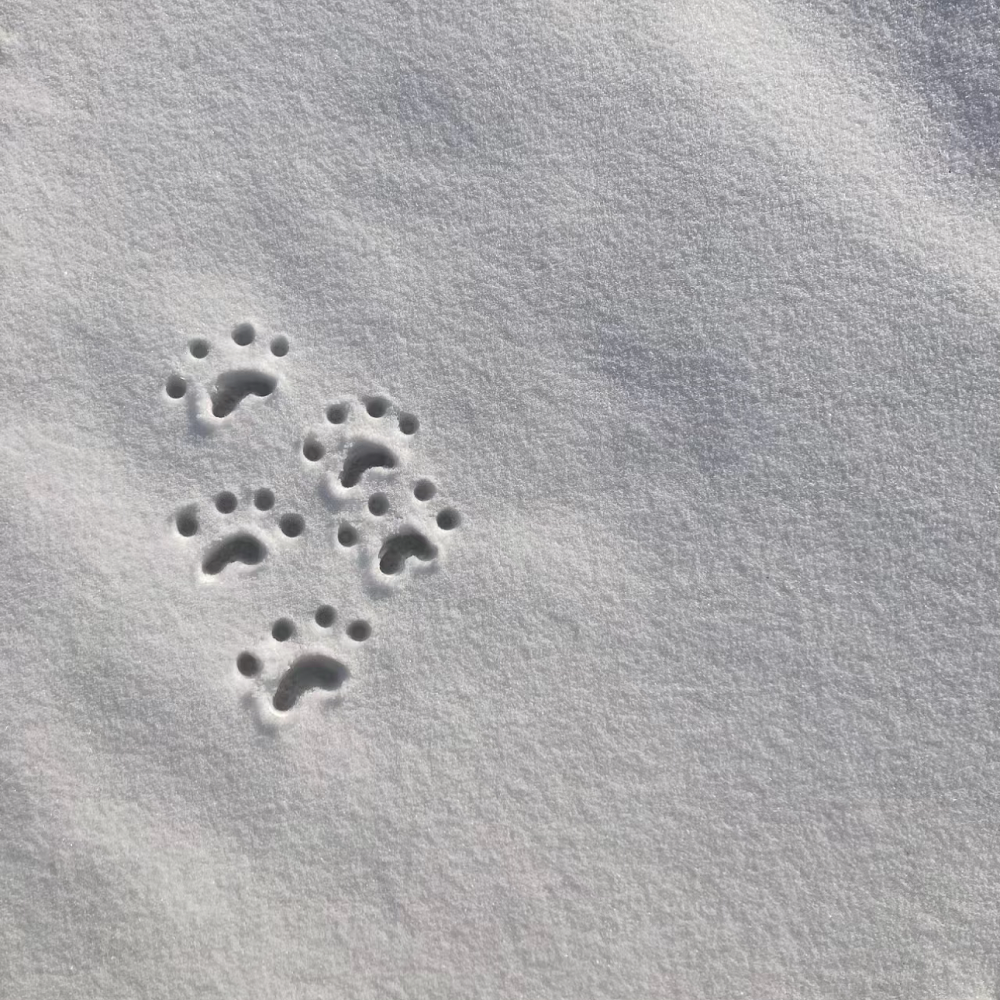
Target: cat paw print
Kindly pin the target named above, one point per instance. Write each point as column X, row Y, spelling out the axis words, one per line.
column 415, row 528
column 298, row 660
column 232, row 537
column 222, row 377
column 395, row 519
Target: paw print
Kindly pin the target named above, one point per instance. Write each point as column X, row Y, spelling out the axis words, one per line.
column 372, row 510
column 296, row 661
column 245, row 540
column 365, row 451
column 242, row 371
column 418, row 531
column 358, row 440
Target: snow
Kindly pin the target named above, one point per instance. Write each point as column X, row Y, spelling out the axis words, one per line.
column 695, row 307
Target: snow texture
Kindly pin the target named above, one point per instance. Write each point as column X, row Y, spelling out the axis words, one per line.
column 499, row 500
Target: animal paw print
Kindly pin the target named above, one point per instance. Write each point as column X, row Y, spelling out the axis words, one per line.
column 236, row 378
column 365, row 452
column 295, row 662
column 246, row 543
column 407, row 538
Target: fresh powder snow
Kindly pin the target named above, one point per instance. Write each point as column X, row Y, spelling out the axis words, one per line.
column 499, row 500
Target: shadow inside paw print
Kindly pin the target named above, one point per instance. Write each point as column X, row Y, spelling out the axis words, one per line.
column 237, row 544
column 313, row 666
column 361, row 457
column 218, row 397
column 402, row 546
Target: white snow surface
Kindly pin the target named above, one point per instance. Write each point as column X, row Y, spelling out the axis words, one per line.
column 696, row 303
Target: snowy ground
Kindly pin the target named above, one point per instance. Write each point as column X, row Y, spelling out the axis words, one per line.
column 688, row 311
